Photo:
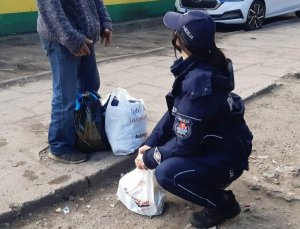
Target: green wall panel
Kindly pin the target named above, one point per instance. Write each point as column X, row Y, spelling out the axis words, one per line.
column 125, row 12
column 17, row 23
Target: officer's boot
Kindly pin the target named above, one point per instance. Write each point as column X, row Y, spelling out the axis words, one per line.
column 211, row 217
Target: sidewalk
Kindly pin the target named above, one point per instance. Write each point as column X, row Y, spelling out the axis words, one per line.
column 30, row 179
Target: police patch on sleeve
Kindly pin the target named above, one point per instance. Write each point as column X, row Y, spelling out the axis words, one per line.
column 157, row 155
column 183, row 127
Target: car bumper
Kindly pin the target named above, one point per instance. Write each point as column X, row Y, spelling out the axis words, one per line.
column 227, row 12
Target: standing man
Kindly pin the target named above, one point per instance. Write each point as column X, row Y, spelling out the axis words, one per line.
column 68, row 30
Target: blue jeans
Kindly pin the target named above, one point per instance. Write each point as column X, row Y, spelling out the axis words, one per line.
column 70, row 75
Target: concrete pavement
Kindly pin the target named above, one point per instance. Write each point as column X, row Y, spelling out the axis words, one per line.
column 29, row 179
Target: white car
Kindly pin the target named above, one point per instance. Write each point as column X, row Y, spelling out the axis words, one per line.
column 251, row 13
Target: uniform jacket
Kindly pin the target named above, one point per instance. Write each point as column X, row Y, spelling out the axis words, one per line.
column 204, row 119
column 69, row 22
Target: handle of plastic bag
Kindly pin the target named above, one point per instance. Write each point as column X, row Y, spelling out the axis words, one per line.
column 79, row 98
column 121, row 94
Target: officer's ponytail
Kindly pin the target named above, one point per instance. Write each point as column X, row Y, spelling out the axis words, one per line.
column 213, row 55
column 218, row 59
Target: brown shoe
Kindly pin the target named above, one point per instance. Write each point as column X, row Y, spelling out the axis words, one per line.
column 72, row 157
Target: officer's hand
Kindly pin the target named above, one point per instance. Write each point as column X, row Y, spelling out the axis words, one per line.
column 106, row 36
column 139, row 163
column 143, row 148
column 84, row 50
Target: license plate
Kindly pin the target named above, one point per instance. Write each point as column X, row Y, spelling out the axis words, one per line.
column 189, row 10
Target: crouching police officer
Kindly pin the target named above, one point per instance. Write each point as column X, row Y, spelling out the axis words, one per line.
column 202, row 142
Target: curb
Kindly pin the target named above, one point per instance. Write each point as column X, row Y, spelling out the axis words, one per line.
column 77, row 187
column 270, row 87
column 261, row 92
column 271, row 192
column 44, row 74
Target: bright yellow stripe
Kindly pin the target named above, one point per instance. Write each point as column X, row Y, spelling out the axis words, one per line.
column 16, row 6
column 115, row 2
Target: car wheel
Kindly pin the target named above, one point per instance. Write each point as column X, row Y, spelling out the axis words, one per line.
column 256, row 15
column 297, row 13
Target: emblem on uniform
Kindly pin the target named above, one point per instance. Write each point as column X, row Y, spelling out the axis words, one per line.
column 157, row 155
column 183, row 127
column 230, row 102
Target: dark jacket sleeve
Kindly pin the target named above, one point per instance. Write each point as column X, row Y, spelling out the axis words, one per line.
column 194, row 110
column 58, row 25
column 161, row 132
column 105, row 20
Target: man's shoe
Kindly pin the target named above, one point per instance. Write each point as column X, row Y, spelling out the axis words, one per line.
column 72, row 157
column 211, row 217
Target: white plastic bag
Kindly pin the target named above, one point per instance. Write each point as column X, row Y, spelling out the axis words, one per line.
column 125, row 122
column 140, row 193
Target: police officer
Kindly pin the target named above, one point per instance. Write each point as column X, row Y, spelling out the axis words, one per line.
column 202, row 142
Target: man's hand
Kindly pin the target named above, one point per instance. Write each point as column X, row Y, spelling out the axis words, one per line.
column 84, row 50
column 139, row 159
column 106, row 36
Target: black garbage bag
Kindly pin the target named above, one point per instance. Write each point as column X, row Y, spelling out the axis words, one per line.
column 89, row 123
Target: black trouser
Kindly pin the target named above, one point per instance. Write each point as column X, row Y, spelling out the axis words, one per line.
column 191, row 180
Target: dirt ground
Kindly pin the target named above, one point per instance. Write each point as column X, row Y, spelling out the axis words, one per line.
column 22, row 55
column 268, row 193
column 275, row 160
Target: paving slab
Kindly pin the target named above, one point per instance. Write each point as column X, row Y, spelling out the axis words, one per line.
column 30, row 179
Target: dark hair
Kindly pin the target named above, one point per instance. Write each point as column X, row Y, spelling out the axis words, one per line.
column 219, row 59
column 214, row 55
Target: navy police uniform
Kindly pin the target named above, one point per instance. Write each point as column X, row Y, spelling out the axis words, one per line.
column 202, row 142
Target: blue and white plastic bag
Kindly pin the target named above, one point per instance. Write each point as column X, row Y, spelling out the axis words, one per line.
column 125, row 122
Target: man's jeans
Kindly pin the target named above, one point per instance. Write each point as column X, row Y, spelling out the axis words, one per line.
column 70, row 75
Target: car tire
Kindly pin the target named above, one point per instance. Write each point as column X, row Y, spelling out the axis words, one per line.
column 256, row 15
column 297, row 13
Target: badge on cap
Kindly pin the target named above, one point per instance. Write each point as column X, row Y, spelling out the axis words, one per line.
column 183, row 127
column 188, row 32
